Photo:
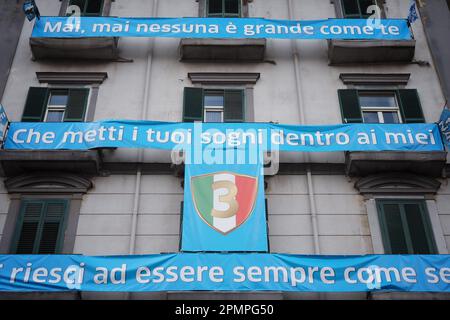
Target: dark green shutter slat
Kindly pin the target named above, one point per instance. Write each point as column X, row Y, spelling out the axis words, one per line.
column 49, row 238
column 417, row 229
column 234, row 106
column 395, row 232
column 420, row 229
column 406, row 228
column 410, row 106
column 31, row 215
column 27, row 237
column 193, row 104
column 350, row 108
column 35, row 105
column 232, row 7
column 76, row 105
column 41, row 227
column 55, row 211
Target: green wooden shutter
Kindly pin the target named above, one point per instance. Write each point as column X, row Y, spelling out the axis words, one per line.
column 410, row 106
column 51, row 236
column 394, row 237
column 35, row 105
column 350, row 108
column 193, row 105
column 232, row 8
column 28, row 227
column 419, row 226
column 40, row 227
column 234, row 106
column 76, row 105
column 405, row 227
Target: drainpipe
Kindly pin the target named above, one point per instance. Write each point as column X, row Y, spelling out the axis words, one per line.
column 311, row 196
column 143, row 116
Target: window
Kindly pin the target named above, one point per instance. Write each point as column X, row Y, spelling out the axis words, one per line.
column 224, row 105
column 379, row 107
column 357, row 9
column 55, row 105
column 405, row 227
column 213, row 106
column 223, row 8
column 396, row 106
column 88, row 8
column 40, row 228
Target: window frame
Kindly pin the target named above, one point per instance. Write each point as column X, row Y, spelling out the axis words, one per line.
column 38, row 237
column 349, row 100
column 58, row 107
column 209, row 109
column 222, row 91
column 361, row 15
column 83, row 11
column 90, row 99
column 380, row 109
column 223, row 14
column 338, row 4
column 106, row 8
column 431, row 241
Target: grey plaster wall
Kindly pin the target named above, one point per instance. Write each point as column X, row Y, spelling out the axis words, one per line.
column 11, row 21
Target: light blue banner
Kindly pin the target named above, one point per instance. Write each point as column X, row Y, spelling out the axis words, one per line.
column 224, row 208
column 444, row 126
column 195, row 138
column 225, row 28
column 225, row 272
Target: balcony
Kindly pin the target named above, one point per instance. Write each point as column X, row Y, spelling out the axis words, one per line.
column 16, row 162
column 105, row 48
column 222, row 50
column 370, row 51
column 424, row 163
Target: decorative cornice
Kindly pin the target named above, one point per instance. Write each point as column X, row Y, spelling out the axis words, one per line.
column 397, row 183
column 50, row 182
column 72, row 77
column 224, row 78
column 375, row 78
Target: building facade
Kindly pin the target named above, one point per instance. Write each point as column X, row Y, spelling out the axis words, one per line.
column 127, row 201
column 436, row 21
column 11, row 19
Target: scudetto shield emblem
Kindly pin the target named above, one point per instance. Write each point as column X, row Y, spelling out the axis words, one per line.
column 224, row 200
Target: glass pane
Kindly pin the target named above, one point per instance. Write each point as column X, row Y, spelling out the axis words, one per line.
column 58, row 99
column 214, row 101
column 364, row 4
column 214, row 6
column 232, row 6
column 417, row 229
column 55, row 116
column 395, row 231
column 375, row 100
column 213, row 116
column 370, row 117
column 350, row 7
column 94, row 7
column 390, row 117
